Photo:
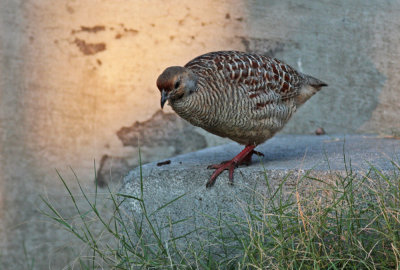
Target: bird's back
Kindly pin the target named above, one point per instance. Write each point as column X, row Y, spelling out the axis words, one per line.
column 245, row 97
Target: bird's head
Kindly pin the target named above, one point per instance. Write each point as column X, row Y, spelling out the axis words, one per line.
column 175, row 83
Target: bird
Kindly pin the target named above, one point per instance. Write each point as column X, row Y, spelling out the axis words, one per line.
column 243, row 96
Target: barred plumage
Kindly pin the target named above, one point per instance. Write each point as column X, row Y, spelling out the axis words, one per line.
column 245, row 97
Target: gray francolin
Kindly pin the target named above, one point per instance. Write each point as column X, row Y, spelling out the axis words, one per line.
column 243, row 96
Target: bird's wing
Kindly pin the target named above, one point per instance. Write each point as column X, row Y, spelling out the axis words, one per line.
column 259, row 76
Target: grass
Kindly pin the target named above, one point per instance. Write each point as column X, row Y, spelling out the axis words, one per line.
column 346, row 221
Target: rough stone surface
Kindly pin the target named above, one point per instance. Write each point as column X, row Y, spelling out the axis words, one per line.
column 286, row 156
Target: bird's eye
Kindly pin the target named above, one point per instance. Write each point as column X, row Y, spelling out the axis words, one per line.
column 177, row 84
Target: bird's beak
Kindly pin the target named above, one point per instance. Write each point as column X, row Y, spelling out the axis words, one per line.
column 164, row 98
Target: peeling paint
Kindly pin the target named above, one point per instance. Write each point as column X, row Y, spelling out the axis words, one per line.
column 89, row 48
column 93, row 29
column 112, row 169
column 161, row 130
column 90, row 29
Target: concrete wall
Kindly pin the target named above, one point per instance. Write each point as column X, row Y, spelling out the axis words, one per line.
column 351, row 46
column 77, row 84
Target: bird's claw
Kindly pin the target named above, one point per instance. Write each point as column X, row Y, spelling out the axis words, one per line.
column 219, row 168
column 243, row 157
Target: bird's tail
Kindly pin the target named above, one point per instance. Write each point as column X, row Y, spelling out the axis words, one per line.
column 315, row 83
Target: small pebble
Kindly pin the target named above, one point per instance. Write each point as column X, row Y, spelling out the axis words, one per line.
column 319, row 131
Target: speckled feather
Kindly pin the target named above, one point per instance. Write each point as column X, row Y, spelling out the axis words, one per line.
column 245, row 97
column 257, row 73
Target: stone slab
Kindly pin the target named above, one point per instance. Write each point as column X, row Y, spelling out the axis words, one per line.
column 287, row 159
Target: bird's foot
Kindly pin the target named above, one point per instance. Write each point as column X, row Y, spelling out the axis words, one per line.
column 246, row 161
column 243, row 157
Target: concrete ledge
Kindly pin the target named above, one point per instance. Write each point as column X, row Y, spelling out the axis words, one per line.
column 285, row 156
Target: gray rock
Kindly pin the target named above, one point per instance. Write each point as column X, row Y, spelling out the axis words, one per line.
column 288, row 159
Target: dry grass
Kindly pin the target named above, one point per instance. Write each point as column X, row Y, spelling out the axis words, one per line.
column 350, row 222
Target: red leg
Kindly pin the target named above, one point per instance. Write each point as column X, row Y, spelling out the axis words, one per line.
column 247, row 160
column 243, row 157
